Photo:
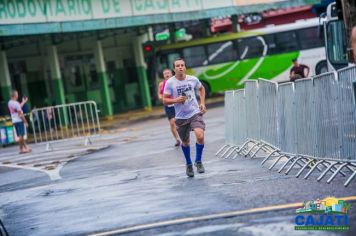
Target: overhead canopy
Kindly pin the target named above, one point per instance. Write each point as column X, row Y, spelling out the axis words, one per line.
column 25, row 17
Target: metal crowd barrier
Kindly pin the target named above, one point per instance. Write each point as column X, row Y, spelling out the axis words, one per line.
column 63, row 122
column 347, row 113
column 306, row 125
column 286, row 118
column 228, row 114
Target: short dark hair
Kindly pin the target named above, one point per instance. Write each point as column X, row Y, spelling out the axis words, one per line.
column 13, row 92
column 166, row 70
column 294, row 59
column 177, row 59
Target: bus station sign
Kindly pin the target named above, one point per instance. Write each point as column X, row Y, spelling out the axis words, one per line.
column 42, row 11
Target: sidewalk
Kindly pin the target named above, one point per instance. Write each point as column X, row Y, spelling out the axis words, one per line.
column 121, row 120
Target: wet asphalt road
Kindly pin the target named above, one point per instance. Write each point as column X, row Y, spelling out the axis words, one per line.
column 139, row 178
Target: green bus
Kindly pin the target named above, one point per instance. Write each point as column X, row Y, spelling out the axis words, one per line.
column 224, row 62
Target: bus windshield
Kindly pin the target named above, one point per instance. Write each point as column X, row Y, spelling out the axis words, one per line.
column 336, row 43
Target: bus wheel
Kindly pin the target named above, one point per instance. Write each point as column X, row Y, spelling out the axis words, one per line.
column 207, row 89
column 321, row 68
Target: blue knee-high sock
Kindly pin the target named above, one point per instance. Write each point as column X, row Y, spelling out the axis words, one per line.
column 198, row 151
column 186, row 151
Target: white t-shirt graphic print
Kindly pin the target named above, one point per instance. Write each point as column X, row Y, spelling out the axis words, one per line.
column 186, row 87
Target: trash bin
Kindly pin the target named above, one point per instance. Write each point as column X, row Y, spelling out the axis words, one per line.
column 7, row 133
column 10, row 134
column 3, row 135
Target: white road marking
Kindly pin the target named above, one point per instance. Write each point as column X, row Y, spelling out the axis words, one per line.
column 51, row 165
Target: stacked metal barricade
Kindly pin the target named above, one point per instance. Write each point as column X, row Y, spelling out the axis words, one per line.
column 306, row 126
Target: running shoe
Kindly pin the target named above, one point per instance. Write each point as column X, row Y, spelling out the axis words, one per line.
column 190, row 171
column 200, row 167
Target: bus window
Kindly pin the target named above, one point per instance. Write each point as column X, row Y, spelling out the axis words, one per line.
column 250, row 47
column 221, row 52
column 271, row 44
column 195, row 56
column 170, row 59
column 286, row 42
column 166, row 61
column 309, row 38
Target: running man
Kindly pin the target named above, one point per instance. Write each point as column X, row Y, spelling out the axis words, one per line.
column 18, row 120
column 169, row 110
column 180, row 91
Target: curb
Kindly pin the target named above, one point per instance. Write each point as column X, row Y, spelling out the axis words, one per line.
column 156, row 113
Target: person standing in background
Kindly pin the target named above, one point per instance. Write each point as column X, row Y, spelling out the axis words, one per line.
column 298, row 71
column 18, row 120
column 169, row 110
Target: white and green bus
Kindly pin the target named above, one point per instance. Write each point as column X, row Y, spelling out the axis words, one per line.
column 226, row 61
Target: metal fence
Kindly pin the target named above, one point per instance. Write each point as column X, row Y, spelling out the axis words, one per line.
column 308, row 124
column 347, row 112
column 58, row 123
column 267, row 107
column 286, row 118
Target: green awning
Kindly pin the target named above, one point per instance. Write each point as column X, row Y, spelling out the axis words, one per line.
column 133, row 21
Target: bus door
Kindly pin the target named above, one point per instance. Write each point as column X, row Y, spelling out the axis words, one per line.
column 336, row 45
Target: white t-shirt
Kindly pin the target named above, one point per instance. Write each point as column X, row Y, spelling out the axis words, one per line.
column 14, row 108
column 186, row 87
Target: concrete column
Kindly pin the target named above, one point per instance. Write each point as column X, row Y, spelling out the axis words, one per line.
column 235, row 24
column 172, row 33
column 56, row 81
column 207, row 28
column 120, row 93
column 141, row 71
column 103, row 77
column 5, row 81
column 56, row 77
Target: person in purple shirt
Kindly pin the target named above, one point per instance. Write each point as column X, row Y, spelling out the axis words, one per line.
column 180, row 91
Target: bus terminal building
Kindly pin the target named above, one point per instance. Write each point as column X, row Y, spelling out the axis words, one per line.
column 66, row 51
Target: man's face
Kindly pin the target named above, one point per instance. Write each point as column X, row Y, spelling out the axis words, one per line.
column 167, row 74
column 16, row 95
column 295, row 63
column 179, row 67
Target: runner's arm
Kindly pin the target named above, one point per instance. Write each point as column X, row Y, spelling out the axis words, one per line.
column 308, row 70
column 24, row 100
column 21, row 115
column 159, row 91
column 169, row 101
column 202, row 99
